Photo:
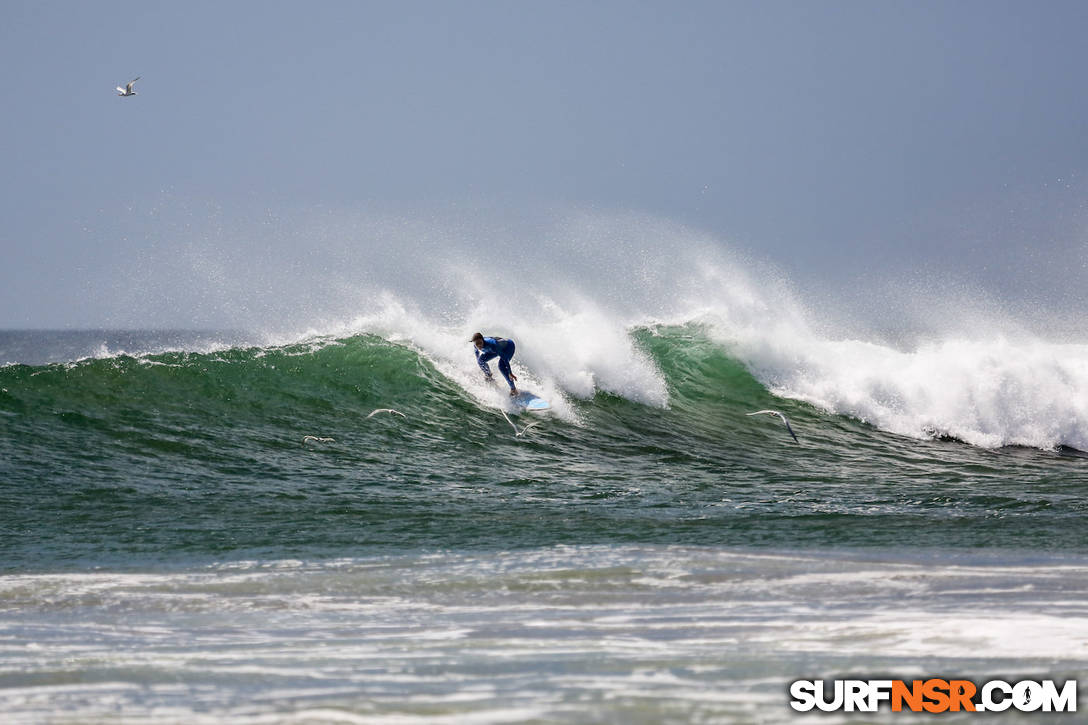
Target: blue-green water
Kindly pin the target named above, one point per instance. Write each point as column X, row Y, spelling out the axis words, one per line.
column 172, row 541
column 176, row 455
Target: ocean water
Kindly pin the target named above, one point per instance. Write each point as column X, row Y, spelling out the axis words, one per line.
column 212, row 527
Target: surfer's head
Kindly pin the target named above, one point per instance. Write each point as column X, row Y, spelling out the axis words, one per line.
column 478, row 339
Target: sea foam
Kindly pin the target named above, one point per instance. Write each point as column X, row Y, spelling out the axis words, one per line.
column 570, row 286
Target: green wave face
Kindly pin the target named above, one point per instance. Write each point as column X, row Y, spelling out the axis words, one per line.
column 206, row 454
column 286, row 392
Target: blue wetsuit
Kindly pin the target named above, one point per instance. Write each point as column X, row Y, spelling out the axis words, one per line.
column 497, row 347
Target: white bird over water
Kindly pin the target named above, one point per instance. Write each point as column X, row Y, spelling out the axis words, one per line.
column 317, row 439
column 386, row 410
column 127, row 90
column 784, row 420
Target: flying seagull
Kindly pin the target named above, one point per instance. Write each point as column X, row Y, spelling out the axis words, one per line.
column 127, row 90
column 517, row 433
column 784, row 420
column 386, row 410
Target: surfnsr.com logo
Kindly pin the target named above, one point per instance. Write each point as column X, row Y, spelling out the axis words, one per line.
column 933, row 695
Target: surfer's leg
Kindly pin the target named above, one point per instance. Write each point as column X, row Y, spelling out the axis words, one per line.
column 504, row 368
column 504, row 365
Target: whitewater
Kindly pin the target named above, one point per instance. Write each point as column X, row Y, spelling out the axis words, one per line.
column 922, row 359
column 210, row 526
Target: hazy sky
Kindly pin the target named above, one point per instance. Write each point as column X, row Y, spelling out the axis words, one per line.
column 832, row 138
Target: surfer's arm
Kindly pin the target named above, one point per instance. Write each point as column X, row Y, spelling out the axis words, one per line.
column 481, row 360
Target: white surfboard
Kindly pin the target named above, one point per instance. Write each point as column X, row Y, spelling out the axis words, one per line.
column 525, row 400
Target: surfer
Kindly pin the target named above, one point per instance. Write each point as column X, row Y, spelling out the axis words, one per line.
column 489, row 347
